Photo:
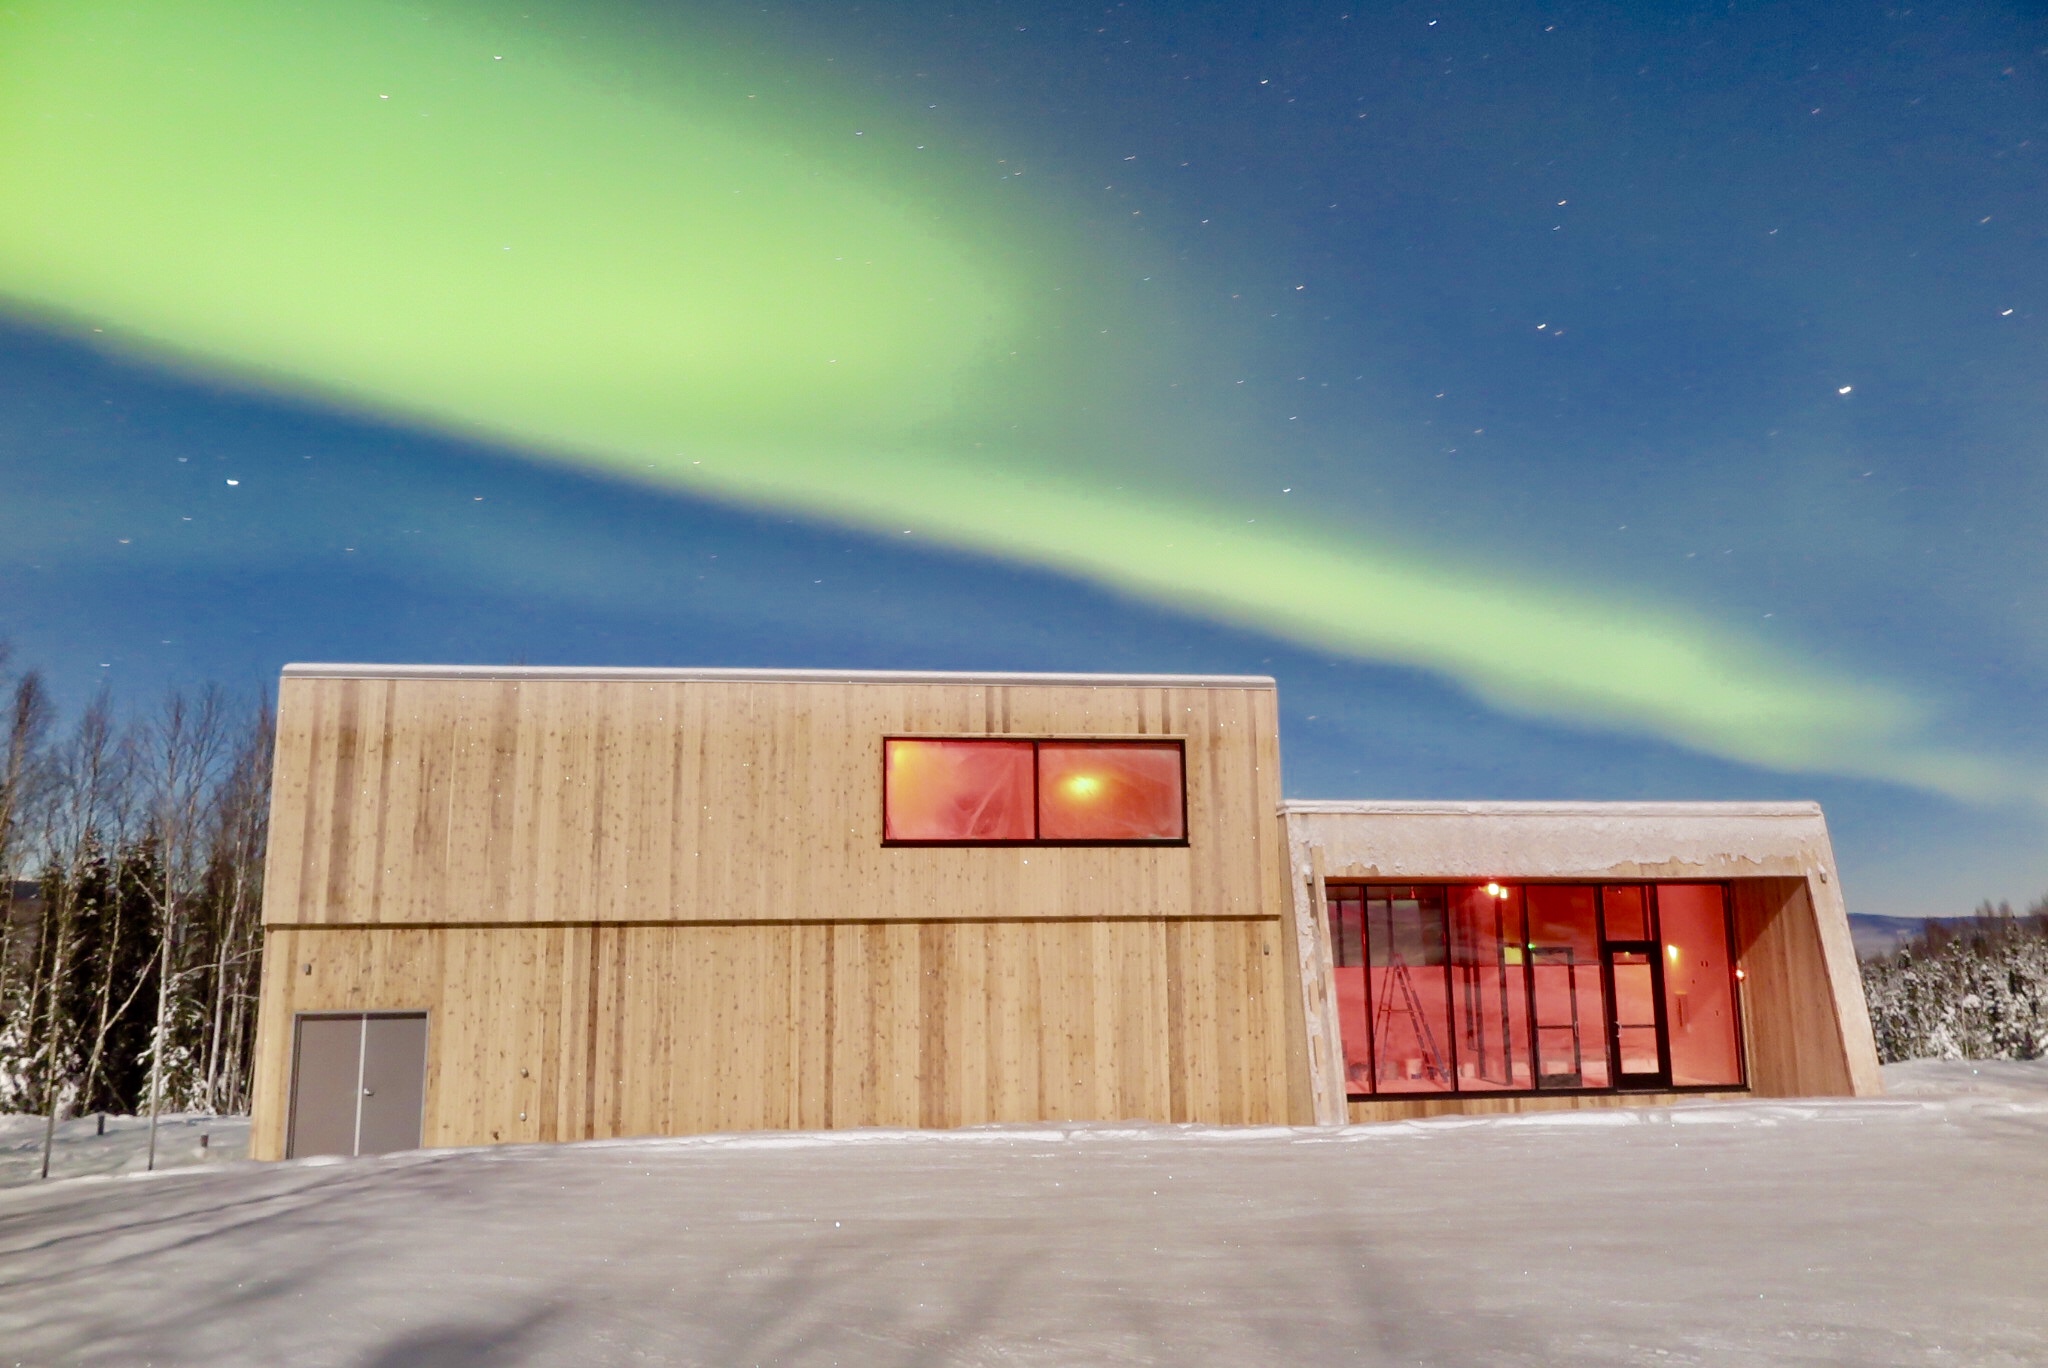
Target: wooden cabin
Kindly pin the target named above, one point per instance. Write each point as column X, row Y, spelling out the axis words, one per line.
column 534, row 904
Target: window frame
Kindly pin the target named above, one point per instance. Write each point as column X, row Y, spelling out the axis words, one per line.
column 1178, row 743
column 1357, row 888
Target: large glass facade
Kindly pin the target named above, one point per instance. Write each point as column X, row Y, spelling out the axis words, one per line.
column 1494, row 988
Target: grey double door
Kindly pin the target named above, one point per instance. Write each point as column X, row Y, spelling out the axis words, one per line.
column 358, row 1083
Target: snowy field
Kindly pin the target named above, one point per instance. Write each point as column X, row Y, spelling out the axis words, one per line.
column 1908, row 1230
column 81, row 1149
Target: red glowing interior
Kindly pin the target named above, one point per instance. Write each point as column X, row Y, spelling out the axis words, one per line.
column 1537, row 987
column 1128, row 791
column 957, row 790
column 974, row 790
column 1699, row 1000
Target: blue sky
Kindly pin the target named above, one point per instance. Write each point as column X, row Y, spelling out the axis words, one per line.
column 1590, row 337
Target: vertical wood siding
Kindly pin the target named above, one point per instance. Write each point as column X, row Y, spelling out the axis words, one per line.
column 1480, row 1104
column 413, row 801
column 1800, row 1042
column 580, row 1032
column 660, row 907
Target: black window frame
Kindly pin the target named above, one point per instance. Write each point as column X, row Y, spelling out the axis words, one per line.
column 1178, row 743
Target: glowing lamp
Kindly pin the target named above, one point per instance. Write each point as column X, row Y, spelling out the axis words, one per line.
column 1082, row 786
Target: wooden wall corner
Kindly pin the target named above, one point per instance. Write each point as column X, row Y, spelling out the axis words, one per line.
column 1806, row 1033
column 1318, row 994
column 270, row 1080
column 1845, row 980
column 1293, row 982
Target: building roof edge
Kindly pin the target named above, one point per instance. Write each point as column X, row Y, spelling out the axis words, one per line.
column 651, row 675
column 1559, row 808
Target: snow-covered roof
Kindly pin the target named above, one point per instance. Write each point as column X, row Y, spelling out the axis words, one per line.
column 1561, row 840
column 1385, row 807
column 632, row 673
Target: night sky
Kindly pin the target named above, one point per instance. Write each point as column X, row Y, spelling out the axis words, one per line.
column 1604, row 401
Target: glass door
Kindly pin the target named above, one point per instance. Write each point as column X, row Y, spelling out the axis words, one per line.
column 1632, row 963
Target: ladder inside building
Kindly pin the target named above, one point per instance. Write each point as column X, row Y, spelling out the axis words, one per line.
column 1399, row 980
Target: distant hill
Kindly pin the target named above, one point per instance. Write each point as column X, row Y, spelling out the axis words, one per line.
column 1876, row 936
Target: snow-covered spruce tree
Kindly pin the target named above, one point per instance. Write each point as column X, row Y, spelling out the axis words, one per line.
column 1975, row 989
column 25, row 788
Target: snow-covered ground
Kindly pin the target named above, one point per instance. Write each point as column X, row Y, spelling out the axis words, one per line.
column 1907, row 1230
column 81, row 1148
column 2015, row 1080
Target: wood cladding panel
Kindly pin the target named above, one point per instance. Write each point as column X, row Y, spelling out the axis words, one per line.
column 521, row 1073
column 438, row 801
column 574, row 1032
column 1478, row 1104
column 1792, row 1030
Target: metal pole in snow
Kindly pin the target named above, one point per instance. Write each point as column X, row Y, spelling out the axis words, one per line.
column 49, row 1133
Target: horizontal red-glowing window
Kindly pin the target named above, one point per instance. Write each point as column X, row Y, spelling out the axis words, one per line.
column 1110, row 791
column 956, row 791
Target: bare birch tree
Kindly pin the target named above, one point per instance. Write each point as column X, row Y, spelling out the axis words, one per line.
column 185, row 744
column 235, row 877
column 88, row 815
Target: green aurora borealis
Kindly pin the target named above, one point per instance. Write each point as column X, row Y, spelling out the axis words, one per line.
column 686, row 268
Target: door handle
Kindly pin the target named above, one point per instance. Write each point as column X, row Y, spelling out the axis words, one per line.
column 367, row 1093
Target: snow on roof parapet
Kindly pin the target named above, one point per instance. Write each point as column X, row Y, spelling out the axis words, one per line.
column 1561, row 840
column 627, row 673
column 1383, row 807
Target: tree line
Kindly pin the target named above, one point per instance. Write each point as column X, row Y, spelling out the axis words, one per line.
column 1967, row 988
column 131, row 867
